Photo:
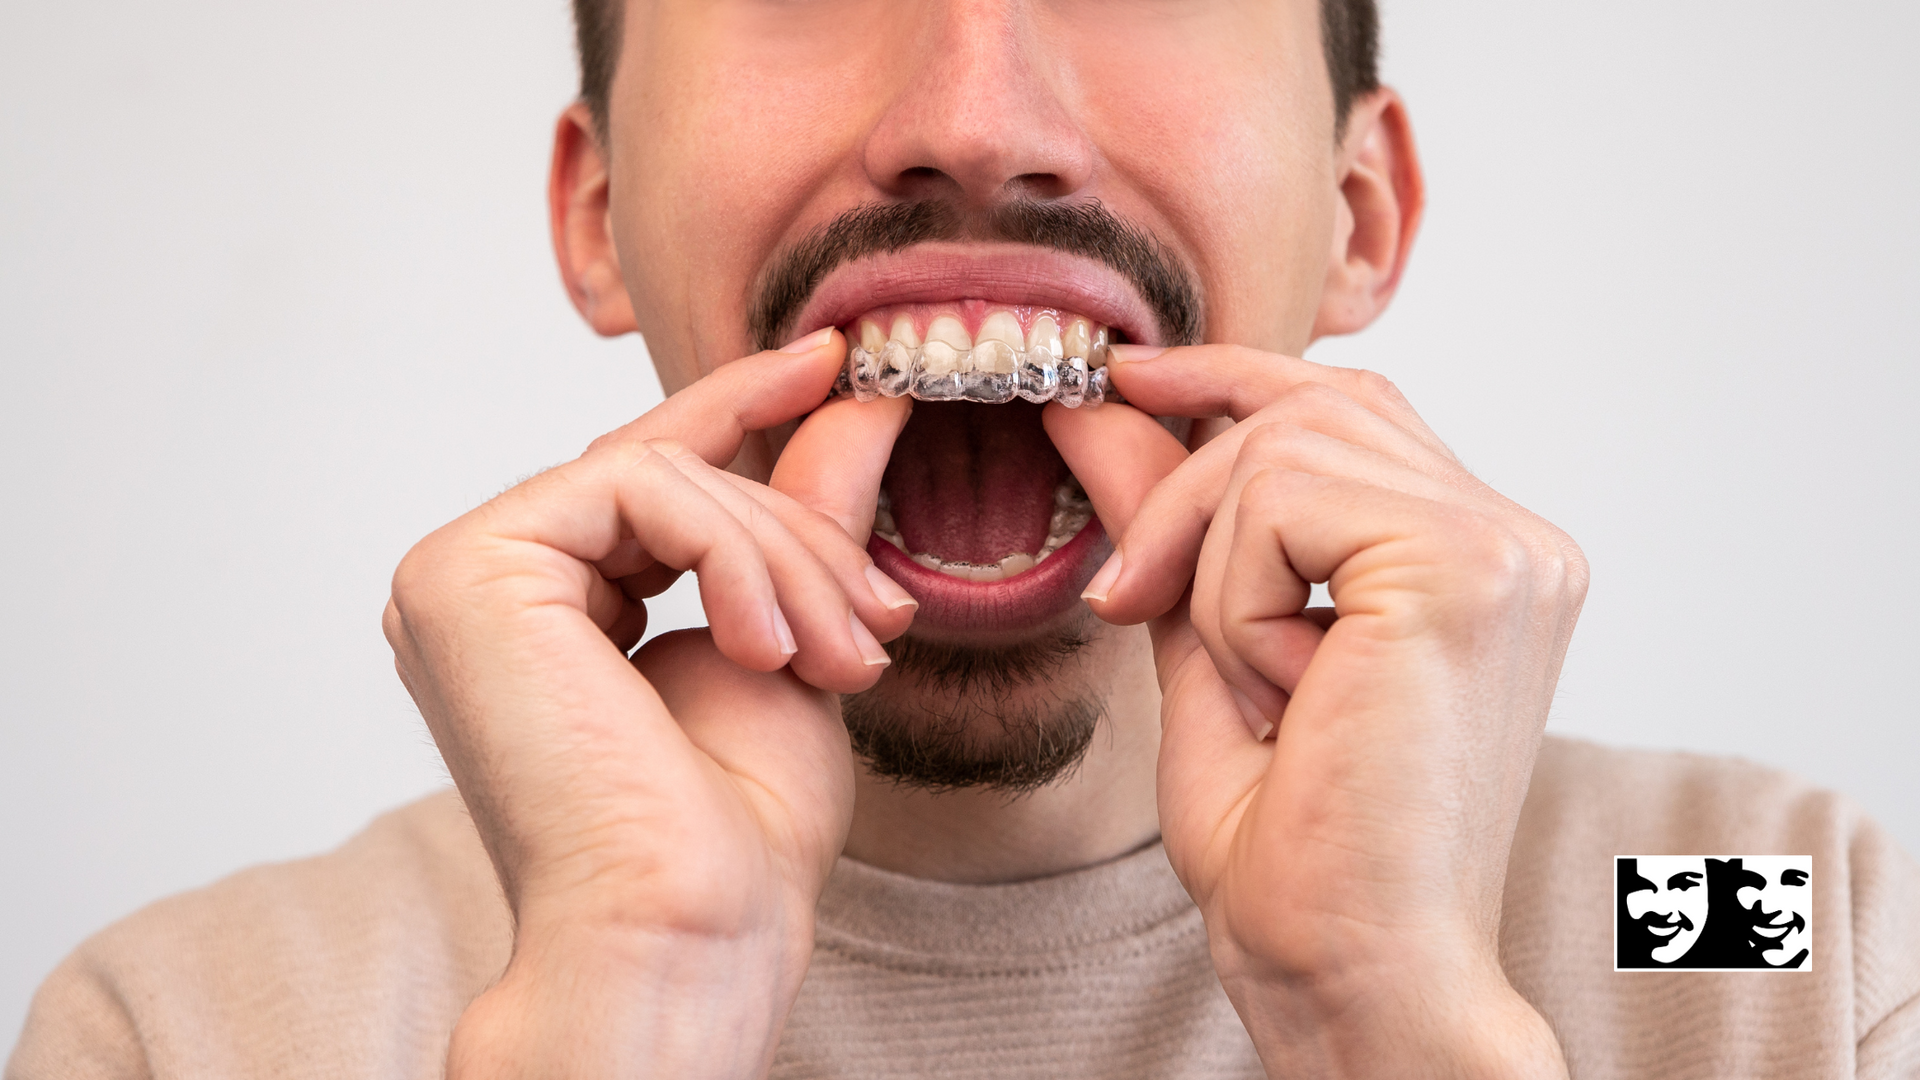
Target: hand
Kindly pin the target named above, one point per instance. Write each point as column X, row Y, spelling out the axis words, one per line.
column 662, row 827
column 1338, row 789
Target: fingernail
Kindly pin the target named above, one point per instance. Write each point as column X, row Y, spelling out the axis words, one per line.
column 808, row 343
column 888, row 591
column 1102, row 582
column 1134, row 354
column 868, row 646
column 783, row 634
column 1257, row 721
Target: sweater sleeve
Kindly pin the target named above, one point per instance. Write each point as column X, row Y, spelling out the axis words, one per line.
column 1886, row 932
column 79, row 1028
column 354, row 963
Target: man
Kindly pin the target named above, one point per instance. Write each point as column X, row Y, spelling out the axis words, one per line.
column 1663, row 907
column 1739, row 932
column 1189, row 827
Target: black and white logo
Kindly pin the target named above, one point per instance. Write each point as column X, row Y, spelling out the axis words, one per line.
column 1713, row 912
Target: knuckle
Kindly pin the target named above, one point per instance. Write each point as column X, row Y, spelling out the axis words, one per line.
column 411, row 580
column 1312, row 396
column 1374, row 388
column 1500, row 565
column 1264, row 491
column 1271, row 440
column 1579, row 573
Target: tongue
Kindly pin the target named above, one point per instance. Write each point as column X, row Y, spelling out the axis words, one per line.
column 973, row 483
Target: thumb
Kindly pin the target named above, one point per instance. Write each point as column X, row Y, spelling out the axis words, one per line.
column 834, row 461
column 1118, row 454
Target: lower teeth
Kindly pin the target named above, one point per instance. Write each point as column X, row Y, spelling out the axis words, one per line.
column 1071, row 514
column 991, row 373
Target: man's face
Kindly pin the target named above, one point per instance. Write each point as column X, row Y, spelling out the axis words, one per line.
column 1776, row 902
column 1675, row 907
column 1164, row 169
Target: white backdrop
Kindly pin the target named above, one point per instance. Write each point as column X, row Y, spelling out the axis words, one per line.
column 276, row 300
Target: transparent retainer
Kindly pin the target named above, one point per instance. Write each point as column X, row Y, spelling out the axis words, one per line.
column 990, row 373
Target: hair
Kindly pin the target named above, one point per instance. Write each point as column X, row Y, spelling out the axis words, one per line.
column 1349, row 35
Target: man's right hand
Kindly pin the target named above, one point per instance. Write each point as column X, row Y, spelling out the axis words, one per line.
column 661, row 826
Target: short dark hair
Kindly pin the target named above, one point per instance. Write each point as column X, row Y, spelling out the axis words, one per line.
column 1349, row 34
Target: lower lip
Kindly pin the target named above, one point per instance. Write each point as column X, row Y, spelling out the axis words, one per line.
column 1014, row 606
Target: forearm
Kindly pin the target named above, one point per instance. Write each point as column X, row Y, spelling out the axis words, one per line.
column 1391, row 1023
column 579, row 1007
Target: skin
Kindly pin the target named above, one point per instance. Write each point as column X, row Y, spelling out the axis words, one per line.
column 662, row 828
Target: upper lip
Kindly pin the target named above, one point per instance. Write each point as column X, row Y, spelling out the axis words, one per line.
column 1012, row 274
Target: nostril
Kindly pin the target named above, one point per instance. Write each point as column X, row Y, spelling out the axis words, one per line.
column 925, row 182
column 1039, row 186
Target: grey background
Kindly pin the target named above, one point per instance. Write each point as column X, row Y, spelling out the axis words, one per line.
column 276, row 300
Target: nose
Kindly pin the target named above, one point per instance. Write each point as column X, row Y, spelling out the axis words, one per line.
column 979, row 115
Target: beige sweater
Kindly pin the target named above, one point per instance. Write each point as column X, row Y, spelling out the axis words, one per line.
column 356, row 963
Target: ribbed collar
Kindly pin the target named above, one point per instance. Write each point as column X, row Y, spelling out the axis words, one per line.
column 888, row 917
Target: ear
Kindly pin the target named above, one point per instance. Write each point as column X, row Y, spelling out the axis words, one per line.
column 582, row 227
column 1382, row 196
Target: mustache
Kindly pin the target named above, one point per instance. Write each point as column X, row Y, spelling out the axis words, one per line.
column 1083, row 228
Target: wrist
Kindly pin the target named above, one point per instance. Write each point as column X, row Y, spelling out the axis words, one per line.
column 1391, row 1019
column 636, row 1004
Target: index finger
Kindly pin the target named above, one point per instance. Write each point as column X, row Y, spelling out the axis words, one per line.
column 712, row 416
column 1235, row 381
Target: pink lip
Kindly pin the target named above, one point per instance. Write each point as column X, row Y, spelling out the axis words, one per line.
column 1015, row 605
column 1011, row 274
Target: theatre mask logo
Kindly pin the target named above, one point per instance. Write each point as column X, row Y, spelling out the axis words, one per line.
column 1713, row 912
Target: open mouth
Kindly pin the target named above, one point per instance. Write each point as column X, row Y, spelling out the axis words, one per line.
column 979, row 517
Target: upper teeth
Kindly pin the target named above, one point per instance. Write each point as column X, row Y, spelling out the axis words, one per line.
column 997, row 364
column 1071, row 513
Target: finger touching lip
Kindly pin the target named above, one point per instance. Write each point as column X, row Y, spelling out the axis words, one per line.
column 834, row 461
column 1118, row 452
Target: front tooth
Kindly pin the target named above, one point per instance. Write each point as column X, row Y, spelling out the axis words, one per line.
column 995, row 350
column 948, row 329
column 904, row 331
column 940, row 358
column 989, row 572
column 1078, row 340
column 947, row 346
column 1045, row 337
column 931, row 562
column 1003, row 327
column 872, row 338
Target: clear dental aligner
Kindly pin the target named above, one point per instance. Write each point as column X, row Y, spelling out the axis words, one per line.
column 1055, row 357
column 1071, row 512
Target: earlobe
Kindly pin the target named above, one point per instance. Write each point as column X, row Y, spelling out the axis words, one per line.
column 578, row 189
column 1381, row 198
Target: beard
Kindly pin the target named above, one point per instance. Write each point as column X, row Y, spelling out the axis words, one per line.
column 1012, row 718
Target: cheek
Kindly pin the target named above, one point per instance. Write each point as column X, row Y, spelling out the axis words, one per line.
column 1638, row 904
column 726, row 134
column 1232, row 143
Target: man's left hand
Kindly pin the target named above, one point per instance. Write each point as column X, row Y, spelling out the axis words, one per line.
column 1338, row 788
